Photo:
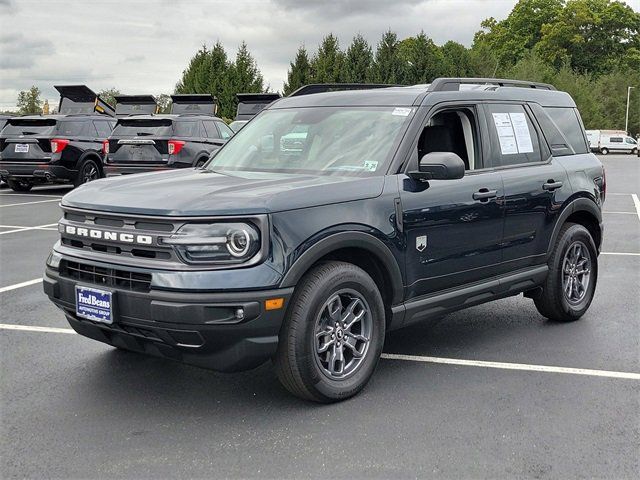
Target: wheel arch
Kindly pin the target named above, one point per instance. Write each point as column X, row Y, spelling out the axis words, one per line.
column 582, row 211
column 358, row 248
column 90, row 155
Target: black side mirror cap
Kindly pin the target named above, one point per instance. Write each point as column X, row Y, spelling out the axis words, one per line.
column 439, row 166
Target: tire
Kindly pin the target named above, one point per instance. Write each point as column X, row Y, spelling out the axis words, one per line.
column 88, row 171
column 555, row 302
column 311, row 375
column 634, row 151
column 200, row 163
column 19, row 185
column 604, row 151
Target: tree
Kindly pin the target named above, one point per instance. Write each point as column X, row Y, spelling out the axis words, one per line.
column 29, row 101
column 197, row 77
column 388, row 66
column 358, row 61
column 328, row 63
column 242, row 76
column 592, row 36
column 422, row 60
column 164, row 103
column 456, row 60
column 299, row 73
column 109, row 94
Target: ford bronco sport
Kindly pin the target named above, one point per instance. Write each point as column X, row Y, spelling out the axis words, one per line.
column 402, row 204
column 62, row 148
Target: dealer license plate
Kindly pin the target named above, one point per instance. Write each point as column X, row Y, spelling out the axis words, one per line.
column 94, row 304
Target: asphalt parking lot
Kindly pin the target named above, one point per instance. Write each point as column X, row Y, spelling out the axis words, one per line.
column 75, row 408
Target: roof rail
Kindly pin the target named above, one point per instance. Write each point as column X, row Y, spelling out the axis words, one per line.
column 453, row 84
column 81, row 99
column 334, row 87
column 135, row 105
column 204, row 104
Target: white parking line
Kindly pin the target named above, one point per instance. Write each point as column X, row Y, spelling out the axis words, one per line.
column 620, row 213
column 20, row 285
column 636, row 202
column 513, row 366
column 28, row 203
column 415, row 358
column 620, row 253
column 37, row 227
column 27, row 328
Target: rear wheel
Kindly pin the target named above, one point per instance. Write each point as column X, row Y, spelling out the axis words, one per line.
column 200, row 163
column 604, row 151
column 19, row 185
column 87, row 172
column 573, row 272
column 333, row 334
column 634, row 151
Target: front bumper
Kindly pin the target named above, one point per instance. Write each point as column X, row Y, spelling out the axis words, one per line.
column 35, row 171
column 196, row 328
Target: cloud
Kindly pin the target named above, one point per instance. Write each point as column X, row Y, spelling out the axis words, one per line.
column 144, row 49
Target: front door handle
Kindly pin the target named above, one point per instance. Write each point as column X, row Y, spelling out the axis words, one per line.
column 551, row 185
column 484, row 194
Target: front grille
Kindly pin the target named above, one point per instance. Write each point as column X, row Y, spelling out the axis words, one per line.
column 106, row 277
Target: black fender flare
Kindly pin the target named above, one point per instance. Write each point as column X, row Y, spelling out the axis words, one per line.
column 341, row 240
column 580, row 204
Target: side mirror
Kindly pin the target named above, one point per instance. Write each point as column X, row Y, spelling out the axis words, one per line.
column 439, row 166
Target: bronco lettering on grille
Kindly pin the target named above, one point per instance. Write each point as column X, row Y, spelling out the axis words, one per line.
column 108, row 235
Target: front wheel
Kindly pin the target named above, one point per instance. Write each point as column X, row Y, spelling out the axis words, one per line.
column 604, row 151
column 573, row 272
column 87, row 172
column 19, row 185
column 333, row 334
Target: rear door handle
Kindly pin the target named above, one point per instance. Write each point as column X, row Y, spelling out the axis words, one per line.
column 551, row 185
column 485, row 194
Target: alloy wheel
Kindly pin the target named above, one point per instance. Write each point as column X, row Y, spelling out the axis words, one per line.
column 576, row 272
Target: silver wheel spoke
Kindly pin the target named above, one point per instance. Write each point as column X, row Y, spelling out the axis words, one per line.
column 336, row 360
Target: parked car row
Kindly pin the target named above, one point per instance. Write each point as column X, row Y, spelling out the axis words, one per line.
column 89, row 139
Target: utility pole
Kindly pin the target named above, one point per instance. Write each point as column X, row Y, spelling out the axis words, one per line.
column 626, row 118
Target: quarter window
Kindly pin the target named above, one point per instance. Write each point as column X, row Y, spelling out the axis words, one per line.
column 225, row 132
column 566, row 120
column 186, row 129
column 210, row 127
column 514, row 139
column 103, row 129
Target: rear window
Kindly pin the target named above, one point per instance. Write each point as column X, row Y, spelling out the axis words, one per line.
column 186, row 129
column 69, row 129
column 566, row 120
column 143, row 128
column 29, row 127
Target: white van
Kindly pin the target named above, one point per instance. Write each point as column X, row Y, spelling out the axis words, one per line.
column 605, row 141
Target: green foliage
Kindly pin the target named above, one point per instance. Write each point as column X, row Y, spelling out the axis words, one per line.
column 358, row 61
column 299, row 73
column 29, row 101
column 109, row 94
column 164, row 103
column 328, row 63
column 422, row 59
column 388, row 66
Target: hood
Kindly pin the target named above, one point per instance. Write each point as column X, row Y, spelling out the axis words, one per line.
column 192, row 192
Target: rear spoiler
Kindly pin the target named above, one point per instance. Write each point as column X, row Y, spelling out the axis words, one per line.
column 135, row 105
column 335, row 87
column 194, row 104
column 250, row 104
column 75, row 99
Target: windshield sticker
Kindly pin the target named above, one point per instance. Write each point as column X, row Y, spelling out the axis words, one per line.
column 513, row 133
column 370, row 165
column 401, row 111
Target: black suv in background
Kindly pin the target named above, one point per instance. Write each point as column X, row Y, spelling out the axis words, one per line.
column 184, row 138
column 249, row 105
column 401, row 205
column 62, row 148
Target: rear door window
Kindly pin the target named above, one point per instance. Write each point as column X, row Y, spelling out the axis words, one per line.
column 225, row 132
column 210, row 127
column 186, row 129
column 514, row 139
column 103, row 129
column 567, row 121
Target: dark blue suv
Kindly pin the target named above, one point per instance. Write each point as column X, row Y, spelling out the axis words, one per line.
column 396, row 206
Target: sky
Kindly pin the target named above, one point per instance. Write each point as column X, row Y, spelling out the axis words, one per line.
column 142, row 46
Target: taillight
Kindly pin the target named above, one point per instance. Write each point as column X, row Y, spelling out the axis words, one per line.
column 175, row 146
column 58, row 144
column 105, row 147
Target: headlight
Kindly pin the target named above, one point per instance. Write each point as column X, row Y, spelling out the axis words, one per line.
column 216, row 243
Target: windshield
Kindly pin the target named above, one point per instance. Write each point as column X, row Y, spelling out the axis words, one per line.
column 316, row 140
column 141, row 128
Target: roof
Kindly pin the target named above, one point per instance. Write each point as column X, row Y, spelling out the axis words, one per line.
column 439, row 91
column 170, row 116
